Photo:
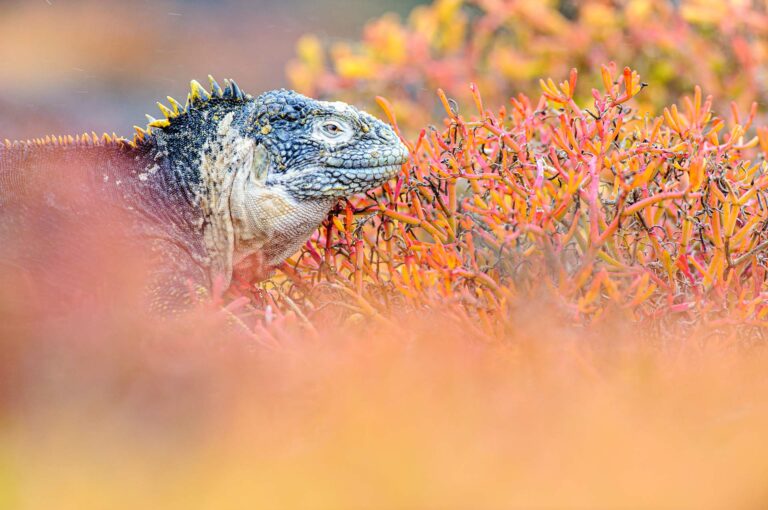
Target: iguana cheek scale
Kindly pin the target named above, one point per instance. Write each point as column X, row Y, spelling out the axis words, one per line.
column 216, row 180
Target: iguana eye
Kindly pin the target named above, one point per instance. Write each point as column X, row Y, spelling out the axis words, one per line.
column 333, row 131
column 332, row 128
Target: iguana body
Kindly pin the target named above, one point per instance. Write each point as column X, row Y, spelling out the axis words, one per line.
column 222, row 178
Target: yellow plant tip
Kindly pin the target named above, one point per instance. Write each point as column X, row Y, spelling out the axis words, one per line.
column 386, row 106
column 449, row 110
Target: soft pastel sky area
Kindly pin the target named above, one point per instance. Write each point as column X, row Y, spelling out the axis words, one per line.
column 68, row 66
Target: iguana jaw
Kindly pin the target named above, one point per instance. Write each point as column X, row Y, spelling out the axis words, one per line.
column 270, row 221
column 323, row 182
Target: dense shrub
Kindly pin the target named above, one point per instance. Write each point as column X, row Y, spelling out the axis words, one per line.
column 591, row 208
column 598, row 201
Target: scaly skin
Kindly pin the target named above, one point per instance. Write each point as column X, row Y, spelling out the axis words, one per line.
column 218, row 180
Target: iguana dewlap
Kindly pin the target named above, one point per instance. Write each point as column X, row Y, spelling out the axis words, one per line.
column 222, row 178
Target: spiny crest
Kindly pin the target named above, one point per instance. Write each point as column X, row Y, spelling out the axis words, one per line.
column 85, row 140
column 196, row 98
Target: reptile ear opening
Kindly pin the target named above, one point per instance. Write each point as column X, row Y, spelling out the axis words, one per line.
column 260, row 164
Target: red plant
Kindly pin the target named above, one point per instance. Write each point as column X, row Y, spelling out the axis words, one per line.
column 597, row 207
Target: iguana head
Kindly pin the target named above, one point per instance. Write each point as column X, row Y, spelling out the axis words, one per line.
column 309, row 148
column 324, row 149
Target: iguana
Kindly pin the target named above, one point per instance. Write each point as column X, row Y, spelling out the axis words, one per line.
column 225, row 176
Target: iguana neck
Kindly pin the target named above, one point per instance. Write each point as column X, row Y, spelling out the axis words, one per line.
column 205, row 151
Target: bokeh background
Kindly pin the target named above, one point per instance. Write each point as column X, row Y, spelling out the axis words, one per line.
column 69, row 66
column 88, row 65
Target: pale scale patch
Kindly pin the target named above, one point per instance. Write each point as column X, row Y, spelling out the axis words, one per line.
column 221, row 160
column 339, row 106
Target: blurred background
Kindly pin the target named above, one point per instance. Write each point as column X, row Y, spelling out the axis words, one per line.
column 70, row 66
column 406, row 411
column 77, row 65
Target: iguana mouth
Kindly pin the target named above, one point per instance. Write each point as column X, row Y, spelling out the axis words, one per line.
column 381, row 172
column 388, row 158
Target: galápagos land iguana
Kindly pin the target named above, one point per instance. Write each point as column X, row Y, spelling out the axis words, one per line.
column 223, row 177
